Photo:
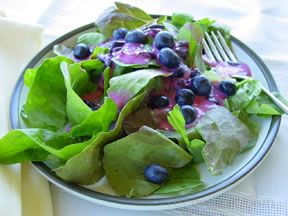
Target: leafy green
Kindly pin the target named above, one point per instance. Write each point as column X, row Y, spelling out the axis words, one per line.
column 32, row 145
column 263, row 105
column 86, row 167
column 133, row 11
column 46, row 101
column 224, row 137
column 193, row 34
column 112, row 19
column 80, row 80
column 186, row 179
column 138, row 119
column 97, row 121
column 76, row 109
column 91, row 38
column 125, row 159
column 106, row 75
column 179, row 19
column 126, row 86
column 247, row 90
column 29, row 76
column 99, row 50
column 176, row 119
column 195, row 148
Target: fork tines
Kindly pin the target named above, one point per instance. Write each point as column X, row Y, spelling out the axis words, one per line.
column 216, row 48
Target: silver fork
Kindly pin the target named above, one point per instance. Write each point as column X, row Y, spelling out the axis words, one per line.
column 217, row 50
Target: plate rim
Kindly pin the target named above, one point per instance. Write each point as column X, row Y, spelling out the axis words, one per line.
column 152, row 204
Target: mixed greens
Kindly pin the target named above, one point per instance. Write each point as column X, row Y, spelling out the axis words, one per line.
column 138, row 102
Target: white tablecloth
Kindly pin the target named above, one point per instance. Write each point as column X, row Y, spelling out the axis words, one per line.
column 261, row 24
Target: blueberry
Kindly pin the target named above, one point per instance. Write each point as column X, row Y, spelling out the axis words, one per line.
column 189, row 113
column 81, row 51
column 227, row 87
column 136, row 36
column 168, row 58
column 119, row 33
column 178, row 72
column 158, row 102
column 163, row 39
column 155, row 173
column 200, row 85
column 185, row 97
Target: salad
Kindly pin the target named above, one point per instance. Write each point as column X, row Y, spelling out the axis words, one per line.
column 138, row 101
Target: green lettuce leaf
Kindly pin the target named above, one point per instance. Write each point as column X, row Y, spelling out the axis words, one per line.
column 106, row 75
column 176, row 119
column 112, row 19
column 86, row 167
column 195, row 148
column 182, row 179
column 193, row 34
column 224, row 137
column 263, row 105
column 62, row 50
column 97, row 121
column 133, row 11
column 76, row 109
column 125, row 159
column 247, row 90
column 80, row 80
column 91, row 38
column 99, row 50
column 179, row 19
column 29, row 76
column 33, row 145
column 46, row 101
column 126, row 86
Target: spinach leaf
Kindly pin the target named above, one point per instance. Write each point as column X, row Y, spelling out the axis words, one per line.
column 97, row 121
column 125, row 159
column 126, row 86
column 193, row 34
column 133, row 11
column 91, row 38
column 86, row 167
column 185, row 179
column 45, row 106
column 224, row 137
column 179, row 19
column 33, row 145
column 76, row 109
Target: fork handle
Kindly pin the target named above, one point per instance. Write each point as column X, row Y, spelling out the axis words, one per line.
column 279, row 103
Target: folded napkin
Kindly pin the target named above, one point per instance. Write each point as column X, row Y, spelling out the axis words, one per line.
column 23, row 190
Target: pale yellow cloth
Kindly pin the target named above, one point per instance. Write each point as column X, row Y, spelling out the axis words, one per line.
column 22, row 190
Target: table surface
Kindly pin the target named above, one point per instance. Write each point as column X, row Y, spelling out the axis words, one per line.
column 259, row 23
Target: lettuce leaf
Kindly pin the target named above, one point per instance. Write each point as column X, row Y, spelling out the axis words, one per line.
column 125, row 159
column 29, row 76
column 179, row 19
column 123, row 15
column 91, row 38
column 45, row 106
column 86, row 167
column 247, row 90
column 97, row 121
column 193, row 34
column 182, row 179
column 126, row 86
column 76, row 109
column 224, row 137
column 33, row 145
